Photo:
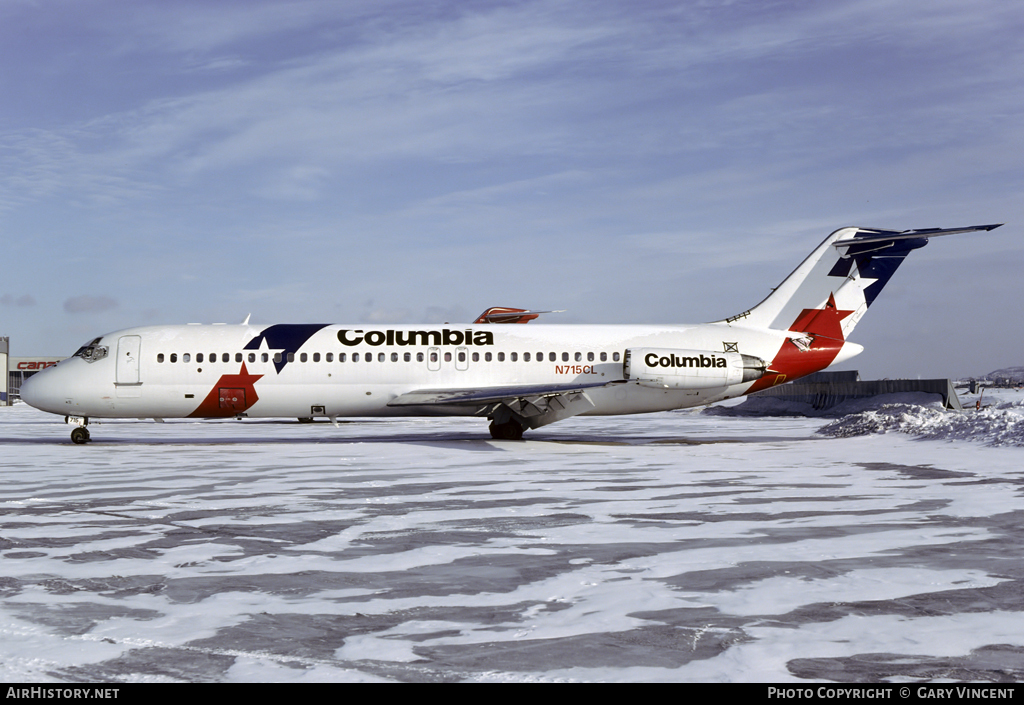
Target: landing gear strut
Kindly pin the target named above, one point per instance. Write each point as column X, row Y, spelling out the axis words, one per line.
column 511, row 430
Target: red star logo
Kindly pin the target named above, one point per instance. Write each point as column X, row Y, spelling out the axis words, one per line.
column 231, row 395
column 824, row 326
column 822, row 323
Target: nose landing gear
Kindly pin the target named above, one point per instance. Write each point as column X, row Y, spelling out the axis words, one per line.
column 79, row 434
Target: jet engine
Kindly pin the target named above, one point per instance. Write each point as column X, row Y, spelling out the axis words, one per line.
column 673, row 368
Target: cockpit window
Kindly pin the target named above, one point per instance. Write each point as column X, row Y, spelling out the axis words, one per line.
column 91, row 352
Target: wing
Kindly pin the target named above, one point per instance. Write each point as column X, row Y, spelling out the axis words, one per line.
column 535, row 404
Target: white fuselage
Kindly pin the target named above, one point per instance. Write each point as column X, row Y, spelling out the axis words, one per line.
column 336, row 370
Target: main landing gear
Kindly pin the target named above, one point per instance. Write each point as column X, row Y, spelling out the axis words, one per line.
column 511, row 430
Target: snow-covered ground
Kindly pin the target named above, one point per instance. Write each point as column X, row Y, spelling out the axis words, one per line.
column 666, row 547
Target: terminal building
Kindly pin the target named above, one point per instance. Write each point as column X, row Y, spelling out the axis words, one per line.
column 16, row 370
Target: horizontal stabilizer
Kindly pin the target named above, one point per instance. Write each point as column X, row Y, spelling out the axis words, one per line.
column 503, row 314
column 872, row 235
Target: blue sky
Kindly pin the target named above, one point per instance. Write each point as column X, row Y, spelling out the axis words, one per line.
column 391, row 161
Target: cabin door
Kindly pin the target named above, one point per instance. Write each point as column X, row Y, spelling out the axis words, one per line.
column 128, row 347
column 127, row 368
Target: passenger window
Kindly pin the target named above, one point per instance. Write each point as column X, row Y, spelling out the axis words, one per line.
column 341, row 357
column 476, row 357
column 540, row 357
column 590, row 357
column 380, row 357
column 615, row 357
column 487, row 357
column 174, row 357
column 501, row 357
column 316, row 357
column 355, row 357
column 303, row 357
column 277, row 357
column 394, row 357
column 419, row 357
column 213, row 357
column 579, row 357
column 159, row 357
column 433, row 356
column 513, row 356
column 291, row 357
column 407, row 357
column 199, row 357
column 526, row 357
column 186, row 357
column 368, row 357
column 565, row 357
column 552, row 357
column 447, row 357
column 238, row 357
column 462, row 357
column 329, row 357
column 265, row 357
column 252, row 357
column 225, row 357
column 604, row 357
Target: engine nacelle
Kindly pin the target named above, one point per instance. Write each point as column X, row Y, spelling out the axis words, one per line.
column 672, row 368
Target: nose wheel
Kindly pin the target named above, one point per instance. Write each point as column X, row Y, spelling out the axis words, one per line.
column 80, row 435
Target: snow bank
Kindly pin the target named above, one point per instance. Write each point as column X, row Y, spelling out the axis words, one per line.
column 1001, row 424
column 914, row 413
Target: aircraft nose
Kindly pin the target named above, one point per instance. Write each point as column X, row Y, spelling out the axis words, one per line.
column 43, row 391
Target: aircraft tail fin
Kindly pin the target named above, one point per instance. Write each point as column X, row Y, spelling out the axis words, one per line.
column 843, row 276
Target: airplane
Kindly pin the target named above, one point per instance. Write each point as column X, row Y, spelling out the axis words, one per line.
column 517, row 376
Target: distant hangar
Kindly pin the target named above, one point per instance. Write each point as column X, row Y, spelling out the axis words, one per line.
column 16, row 370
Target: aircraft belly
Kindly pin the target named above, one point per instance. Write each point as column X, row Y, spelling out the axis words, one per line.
column 371, row 400
column 150, row 401
column 170, row 401
column 298, row 400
